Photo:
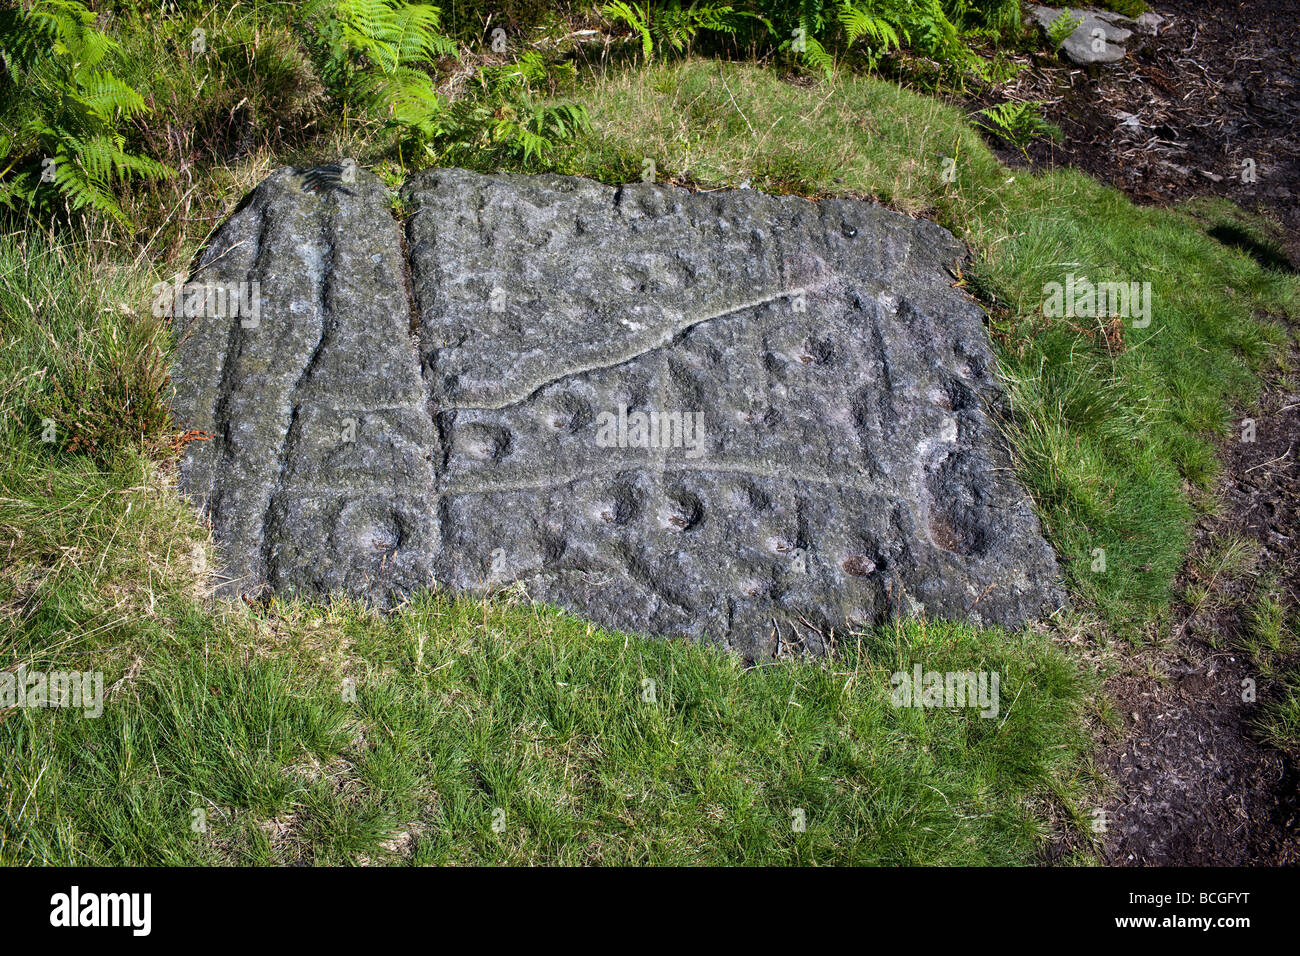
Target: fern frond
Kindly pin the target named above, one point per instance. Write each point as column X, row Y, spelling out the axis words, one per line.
column 405, row 96
column 413, row 33
column 106, row 95
column 817, row 56
column 70, row 108
column 635, row 17
column 83, row 190
column 71, row 29
column 1017, row 123
column 1060, row 29
column 859, row 23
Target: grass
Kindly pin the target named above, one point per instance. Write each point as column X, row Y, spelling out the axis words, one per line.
column 1213, row 574
column 291, row 733
column 1272, row 641
column 506, row 734
column 458, row 731
column 91, row 375
column 1228, row 580
column 251, row 93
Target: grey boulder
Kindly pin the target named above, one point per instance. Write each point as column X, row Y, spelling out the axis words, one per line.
column 758, row 420
column 1099, row 37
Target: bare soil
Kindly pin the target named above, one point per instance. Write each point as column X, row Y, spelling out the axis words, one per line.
column 1194, row 784
column 1209, row 105
column 1194, row 110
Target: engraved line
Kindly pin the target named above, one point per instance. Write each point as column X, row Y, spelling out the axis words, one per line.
column 527, row 391
column 748, row 469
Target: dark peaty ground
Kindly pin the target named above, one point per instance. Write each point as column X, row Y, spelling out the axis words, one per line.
column 1179, row 117
column 1193, row 110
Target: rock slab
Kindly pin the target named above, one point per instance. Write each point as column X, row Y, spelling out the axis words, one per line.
column 1099, row 37
column 753, row 419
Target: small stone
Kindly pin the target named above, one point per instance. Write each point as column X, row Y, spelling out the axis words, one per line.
column 1097, row 39
column 1149, row 23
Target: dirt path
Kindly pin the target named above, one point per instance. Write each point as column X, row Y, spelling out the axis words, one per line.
column 1216, row 87
column 1194, row 786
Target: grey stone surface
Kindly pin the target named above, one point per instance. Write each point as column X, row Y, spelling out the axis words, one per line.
column 844, row 468
column 1149, row 23
column 1082, row 46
